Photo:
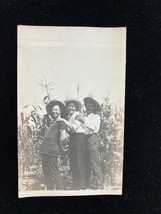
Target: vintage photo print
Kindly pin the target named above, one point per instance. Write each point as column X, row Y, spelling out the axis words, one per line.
column 71, row 93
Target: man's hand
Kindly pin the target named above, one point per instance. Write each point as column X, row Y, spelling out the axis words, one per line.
column 60, row 119
column 80, row 118
column 67, row 137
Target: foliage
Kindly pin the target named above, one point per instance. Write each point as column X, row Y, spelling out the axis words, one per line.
column 47, row 88
column 30, row 137
column 111, row 143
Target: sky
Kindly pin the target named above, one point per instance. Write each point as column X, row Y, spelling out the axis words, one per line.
column 93, row 57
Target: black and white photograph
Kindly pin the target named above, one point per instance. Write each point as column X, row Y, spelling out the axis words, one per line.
column 71, row 104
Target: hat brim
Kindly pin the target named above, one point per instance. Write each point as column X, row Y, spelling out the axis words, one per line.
column 77, row 102
column 64, row 111
column 90, row 100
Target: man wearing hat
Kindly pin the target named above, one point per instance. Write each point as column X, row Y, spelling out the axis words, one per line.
column 77, row 145
column 92, row 124
column 50, row 151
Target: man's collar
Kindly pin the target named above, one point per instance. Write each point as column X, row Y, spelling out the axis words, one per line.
column 54, row 120
column 90, row 114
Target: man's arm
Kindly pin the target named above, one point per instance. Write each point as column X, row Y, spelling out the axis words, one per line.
column 62, row 135
column 72, row 126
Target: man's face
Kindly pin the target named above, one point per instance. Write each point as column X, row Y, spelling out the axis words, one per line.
column 71, row 108
column 56, row 111
column 89, row 108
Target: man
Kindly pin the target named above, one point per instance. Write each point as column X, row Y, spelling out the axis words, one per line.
column 77, row 144
column 50, row 151
column 92, row 124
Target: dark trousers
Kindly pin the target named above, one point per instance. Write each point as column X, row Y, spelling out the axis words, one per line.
column 94, row 161
column 51, row 172
column 78, row 160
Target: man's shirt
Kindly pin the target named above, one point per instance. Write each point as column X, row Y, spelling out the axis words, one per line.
column 92, row 123
column 50, row 145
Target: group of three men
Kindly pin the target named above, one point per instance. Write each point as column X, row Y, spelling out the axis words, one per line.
column 83, row 146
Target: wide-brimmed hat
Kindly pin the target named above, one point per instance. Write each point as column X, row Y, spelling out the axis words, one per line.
column 62, row 106
column 90, row 100
column 76, row 102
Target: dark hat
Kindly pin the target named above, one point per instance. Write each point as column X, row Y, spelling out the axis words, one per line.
column 75, row 101
column 90, row 100
column 63, row 108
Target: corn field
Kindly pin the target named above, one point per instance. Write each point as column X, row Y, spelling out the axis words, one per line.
column 30, row 138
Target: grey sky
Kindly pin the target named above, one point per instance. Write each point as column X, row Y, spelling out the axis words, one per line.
column 93, row 56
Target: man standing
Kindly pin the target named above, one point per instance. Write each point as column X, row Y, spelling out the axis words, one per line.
column 50, row 151
column 92, row 124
